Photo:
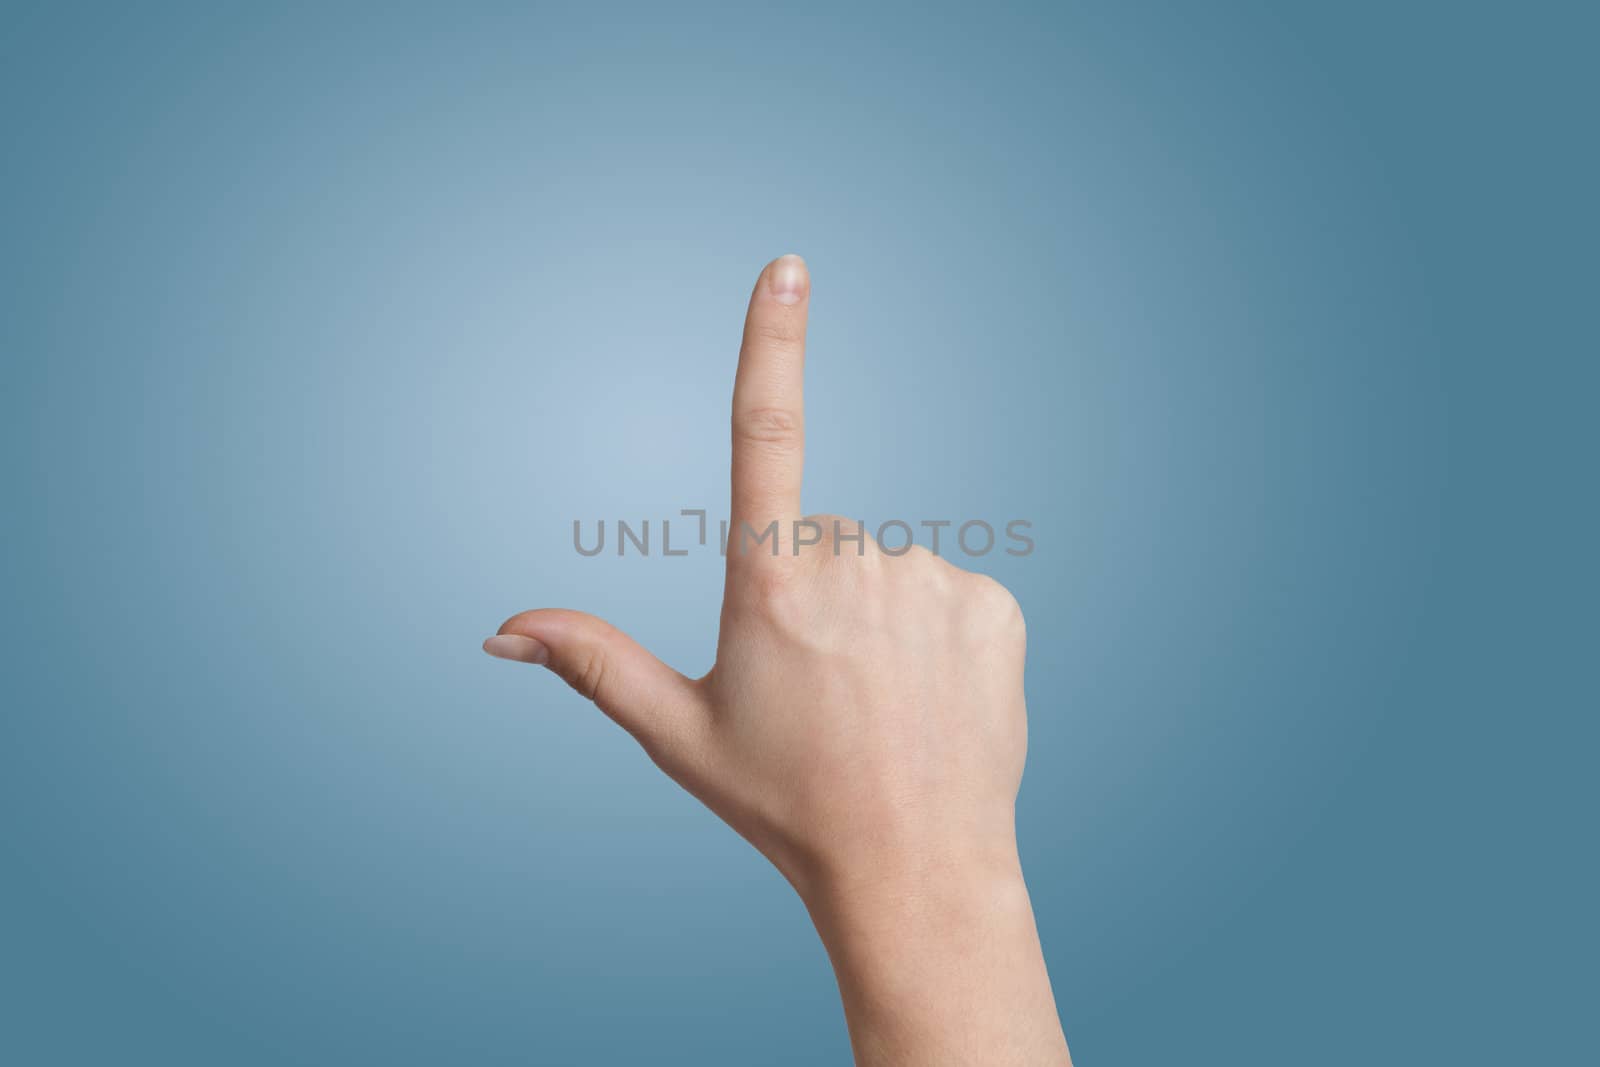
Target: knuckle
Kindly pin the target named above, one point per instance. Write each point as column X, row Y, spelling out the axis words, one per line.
column 779, row 335
column 774, row 596
column 588, row 675
column 839, row 530
column 768, row 426
column 997, row 603
column 932, row 567
column 917, row 555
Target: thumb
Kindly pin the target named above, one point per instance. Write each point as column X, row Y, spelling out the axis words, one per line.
column 650, row 700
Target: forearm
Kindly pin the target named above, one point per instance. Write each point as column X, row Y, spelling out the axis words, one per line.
column 942, row 967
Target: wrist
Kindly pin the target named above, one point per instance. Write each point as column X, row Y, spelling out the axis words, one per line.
column 940, row 962
column 954, row 895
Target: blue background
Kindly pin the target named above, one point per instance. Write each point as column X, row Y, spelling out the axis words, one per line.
column 319, row 329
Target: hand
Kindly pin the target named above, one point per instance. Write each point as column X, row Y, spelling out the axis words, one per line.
column 863, row 727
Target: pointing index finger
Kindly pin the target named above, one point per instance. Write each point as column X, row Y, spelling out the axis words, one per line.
column 768, row 398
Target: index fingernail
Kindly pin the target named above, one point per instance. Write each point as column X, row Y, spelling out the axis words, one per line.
column 787, row 280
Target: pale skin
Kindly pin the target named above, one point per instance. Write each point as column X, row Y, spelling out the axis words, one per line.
column 863, row 727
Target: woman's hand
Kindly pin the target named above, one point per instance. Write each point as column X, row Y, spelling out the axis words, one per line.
column 863, row 727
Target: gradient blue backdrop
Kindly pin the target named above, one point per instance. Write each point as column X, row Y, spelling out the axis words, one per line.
column 319, row 329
